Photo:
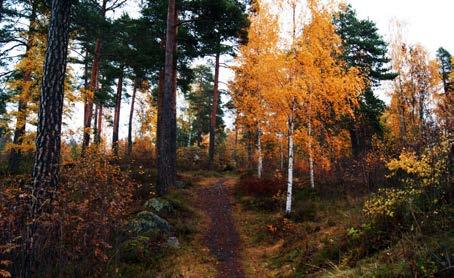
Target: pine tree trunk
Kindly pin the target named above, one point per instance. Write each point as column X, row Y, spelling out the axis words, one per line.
column 288, row 206
column 165, row 158
column 99, row 122
column 88, row 110
column 19, row 133
column 95, row 123
column 21, row 120
column 173, row 103
column 131, row 116
column 116, row 123
column 214, row 113
column 159, row 108
column 260, row 158
column 48, row 140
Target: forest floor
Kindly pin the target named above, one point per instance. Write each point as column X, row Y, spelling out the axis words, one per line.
column 224, row 232
column 227, row 230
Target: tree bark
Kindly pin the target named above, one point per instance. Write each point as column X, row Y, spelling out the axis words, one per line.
column 166, row 163
column 21, row 120
column 131, row 116
column 288, row 205
column 160, row 96
column 99, row 122
column 88, row 110
column 173, row 103
column 260, row 158
column 214, row 113
column 48, row 140
column 189, row 131
column 95, row 123
column 116, row 123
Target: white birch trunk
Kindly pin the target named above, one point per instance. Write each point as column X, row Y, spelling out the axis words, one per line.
column 311, row 158
column 288, row 206
column 190, row 134
column 260, row 159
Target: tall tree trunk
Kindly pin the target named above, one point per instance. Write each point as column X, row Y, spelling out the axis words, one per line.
column 48, row 140
column 166, row 164
column 189, row 132
column 173, row 103
column 22, row 107
column 311, row 156
column 288, row 206
column 281, row 149
column 116, row 123
column 131, row 115
column 99, row 121
column 95, row 123
column 214, row 113
column 259, row 150
column 159, row 108
column 88, row 110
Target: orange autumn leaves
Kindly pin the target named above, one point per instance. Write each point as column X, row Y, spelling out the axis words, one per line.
column 306, row 82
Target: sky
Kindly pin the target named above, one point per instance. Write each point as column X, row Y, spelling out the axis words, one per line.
column 426, row 22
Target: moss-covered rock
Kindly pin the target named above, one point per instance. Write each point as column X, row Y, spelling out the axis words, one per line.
column 159, row 206
column 147, row 222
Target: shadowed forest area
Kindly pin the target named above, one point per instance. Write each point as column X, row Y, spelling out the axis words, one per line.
column 222, row 138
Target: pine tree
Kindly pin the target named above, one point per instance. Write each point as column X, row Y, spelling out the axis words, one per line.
column 444, row 59
column 366, row 50
column 219, row 25
column 25, row 91
column 200, row 99
column 166, row 156
column 445, row 101
column 47, row 157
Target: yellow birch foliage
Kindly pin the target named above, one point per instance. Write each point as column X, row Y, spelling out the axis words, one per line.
column 255, row 65
column 28, row 91
column 308, row 83
column 328, row 89
column 413, row 91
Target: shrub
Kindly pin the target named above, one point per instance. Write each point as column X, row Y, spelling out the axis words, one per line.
column 253, row 186
column 143, row 151
column 422, row 195
column 191, row 158
column 75, row 237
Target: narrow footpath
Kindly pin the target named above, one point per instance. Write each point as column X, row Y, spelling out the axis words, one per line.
column 221, row 237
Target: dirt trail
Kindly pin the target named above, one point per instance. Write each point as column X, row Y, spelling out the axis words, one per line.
column 221, row 237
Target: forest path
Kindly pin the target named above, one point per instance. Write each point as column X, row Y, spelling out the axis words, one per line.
column 221, row 236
